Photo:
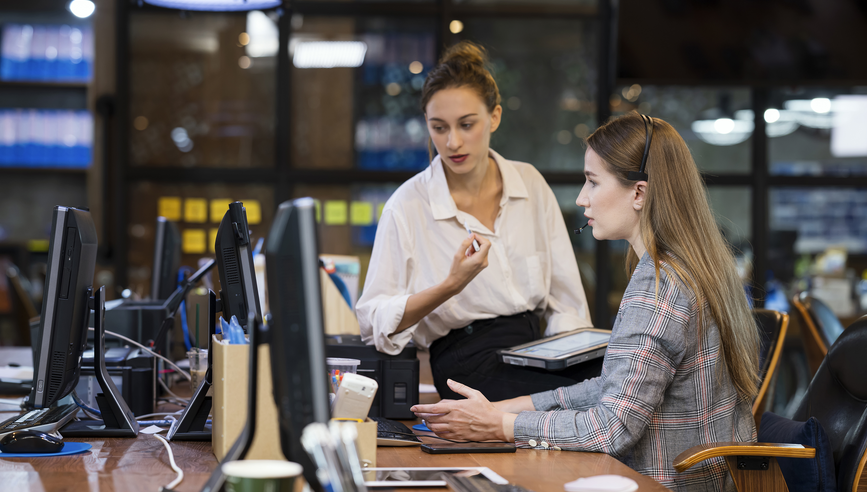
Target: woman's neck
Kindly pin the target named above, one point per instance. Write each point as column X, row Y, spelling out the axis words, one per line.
column 637, row 244
column 483, row 175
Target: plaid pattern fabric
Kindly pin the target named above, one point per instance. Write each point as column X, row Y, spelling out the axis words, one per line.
column 663, row 389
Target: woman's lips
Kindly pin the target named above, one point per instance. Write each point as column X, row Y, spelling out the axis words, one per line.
column 458, row 157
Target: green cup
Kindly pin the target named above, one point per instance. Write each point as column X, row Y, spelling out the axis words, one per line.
column 261, row 475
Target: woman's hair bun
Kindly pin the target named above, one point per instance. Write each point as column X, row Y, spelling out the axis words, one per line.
column 466, row 53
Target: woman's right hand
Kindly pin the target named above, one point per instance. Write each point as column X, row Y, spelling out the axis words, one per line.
column 467, row 263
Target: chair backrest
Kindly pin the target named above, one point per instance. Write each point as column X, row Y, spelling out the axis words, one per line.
column 837, row 397
column 819, row 325
column 772, row 327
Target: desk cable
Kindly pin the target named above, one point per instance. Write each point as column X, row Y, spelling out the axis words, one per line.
column 183, row 373
column 448, row 440
column 175, row 467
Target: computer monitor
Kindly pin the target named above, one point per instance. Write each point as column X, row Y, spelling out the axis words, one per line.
column 167, row 260
column 296, row 330
column 63, row 324
column 238, row 292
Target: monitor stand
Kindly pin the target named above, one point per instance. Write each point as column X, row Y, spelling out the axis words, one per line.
column 118, row 419
column 239, row 450
column 193, row 424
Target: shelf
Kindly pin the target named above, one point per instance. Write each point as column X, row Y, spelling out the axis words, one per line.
column 42, row 170
column 43, row 84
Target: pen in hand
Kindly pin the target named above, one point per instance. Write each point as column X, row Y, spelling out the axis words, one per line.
column 470, row 232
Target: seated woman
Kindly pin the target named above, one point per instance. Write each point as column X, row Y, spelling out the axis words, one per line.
column 427, row 282
column 681, row 367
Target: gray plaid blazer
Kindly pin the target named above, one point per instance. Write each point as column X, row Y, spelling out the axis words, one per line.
column 663, row 389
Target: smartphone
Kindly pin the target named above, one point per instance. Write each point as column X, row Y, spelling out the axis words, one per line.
column 468, row 447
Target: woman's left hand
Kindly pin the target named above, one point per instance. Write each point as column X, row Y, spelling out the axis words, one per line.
column 473, row 419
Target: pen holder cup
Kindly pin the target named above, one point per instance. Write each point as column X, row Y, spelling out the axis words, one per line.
column 337, row 367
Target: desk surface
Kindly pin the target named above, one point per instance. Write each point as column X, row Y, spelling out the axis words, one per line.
column 142, row 464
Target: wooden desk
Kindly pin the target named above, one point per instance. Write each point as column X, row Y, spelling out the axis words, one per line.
column 540, row 471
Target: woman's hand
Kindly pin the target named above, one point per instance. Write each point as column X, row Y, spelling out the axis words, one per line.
column 467, row 263
column 473, row 419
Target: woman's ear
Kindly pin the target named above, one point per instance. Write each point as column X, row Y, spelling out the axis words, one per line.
column 639, row 194
column 496, row 116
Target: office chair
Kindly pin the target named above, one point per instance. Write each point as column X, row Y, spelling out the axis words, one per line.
column 773, row 326
column 837, row 398
column 820, row 328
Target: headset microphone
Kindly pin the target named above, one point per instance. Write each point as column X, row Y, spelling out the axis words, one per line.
column 578, row 231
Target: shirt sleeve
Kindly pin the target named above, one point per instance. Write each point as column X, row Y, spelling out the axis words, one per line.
column 645, row 349
column 566, row 304
column 383, row 300
column 579, row 396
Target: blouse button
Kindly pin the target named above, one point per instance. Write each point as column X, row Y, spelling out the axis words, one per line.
column 532, row 443
column 544, row 444
column 556, row 448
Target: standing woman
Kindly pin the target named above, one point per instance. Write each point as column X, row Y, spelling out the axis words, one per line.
column 681, row 367
column 426, row 280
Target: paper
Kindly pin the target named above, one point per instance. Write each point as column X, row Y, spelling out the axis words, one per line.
column 254, row 211
column 361, row 213
column 219, row 207
column 169, row 207
column 151, row 430
column 193, row 241
column 335, row 212
column 22, row 373
column 427, row 388
column 195, row 210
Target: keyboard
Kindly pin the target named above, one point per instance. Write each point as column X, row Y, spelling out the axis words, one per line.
column 393, row 433
column 48, row 420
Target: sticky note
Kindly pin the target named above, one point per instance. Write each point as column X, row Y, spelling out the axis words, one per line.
column 212, row 240
column 195, row 210
column 361, row 213
column 335, row 212
column 318, row 206
column 193, row 241
column 379, row 211
column 254, row 211
column 219, row 207
column 169, row 207
column 38, row 245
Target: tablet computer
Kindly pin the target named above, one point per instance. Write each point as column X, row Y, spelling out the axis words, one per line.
column 424, row 477
column 560, row 351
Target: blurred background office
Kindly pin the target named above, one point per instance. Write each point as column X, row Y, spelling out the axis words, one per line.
column 140, row 108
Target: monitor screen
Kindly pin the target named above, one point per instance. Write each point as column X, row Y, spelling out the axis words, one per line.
column 296, row 329
column 167, row 260
column 238, row 292
column 63, row 324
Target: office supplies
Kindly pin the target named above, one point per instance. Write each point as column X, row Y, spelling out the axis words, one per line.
column 560, row 351
column 397, row 375
column 421, row 427
column 467, row 447
column 393, row 433
column 602, row 483
column 425, row 477
column 338, row 368
column 30, row 441
column 354, row 397
column 470, row 232
column 459, row 483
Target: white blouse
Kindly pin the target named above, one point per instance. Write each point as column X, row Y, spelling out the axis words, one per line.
column 531, row 264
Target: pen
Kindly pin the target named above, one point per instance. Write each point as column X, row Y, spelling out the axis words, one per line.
column 470, row 232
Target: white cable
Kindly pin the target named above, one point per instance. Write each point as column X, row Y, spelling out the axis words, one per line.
column 158, row 414
column 165, row 387
column 129, row 340
column 172, row 461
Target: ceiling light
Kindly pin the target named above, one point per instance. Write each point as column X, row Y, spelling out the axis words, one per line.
column 216, row 5
column 81, row 8
column 329, row 54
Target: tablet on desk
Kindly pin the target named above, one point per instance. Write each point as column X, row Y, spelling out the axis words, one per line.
column 423, row 477
column 559, row 352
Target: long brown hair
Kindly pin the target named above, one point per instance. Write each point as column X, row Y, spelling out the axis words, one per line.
column 681, row 235
column 462, row 65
